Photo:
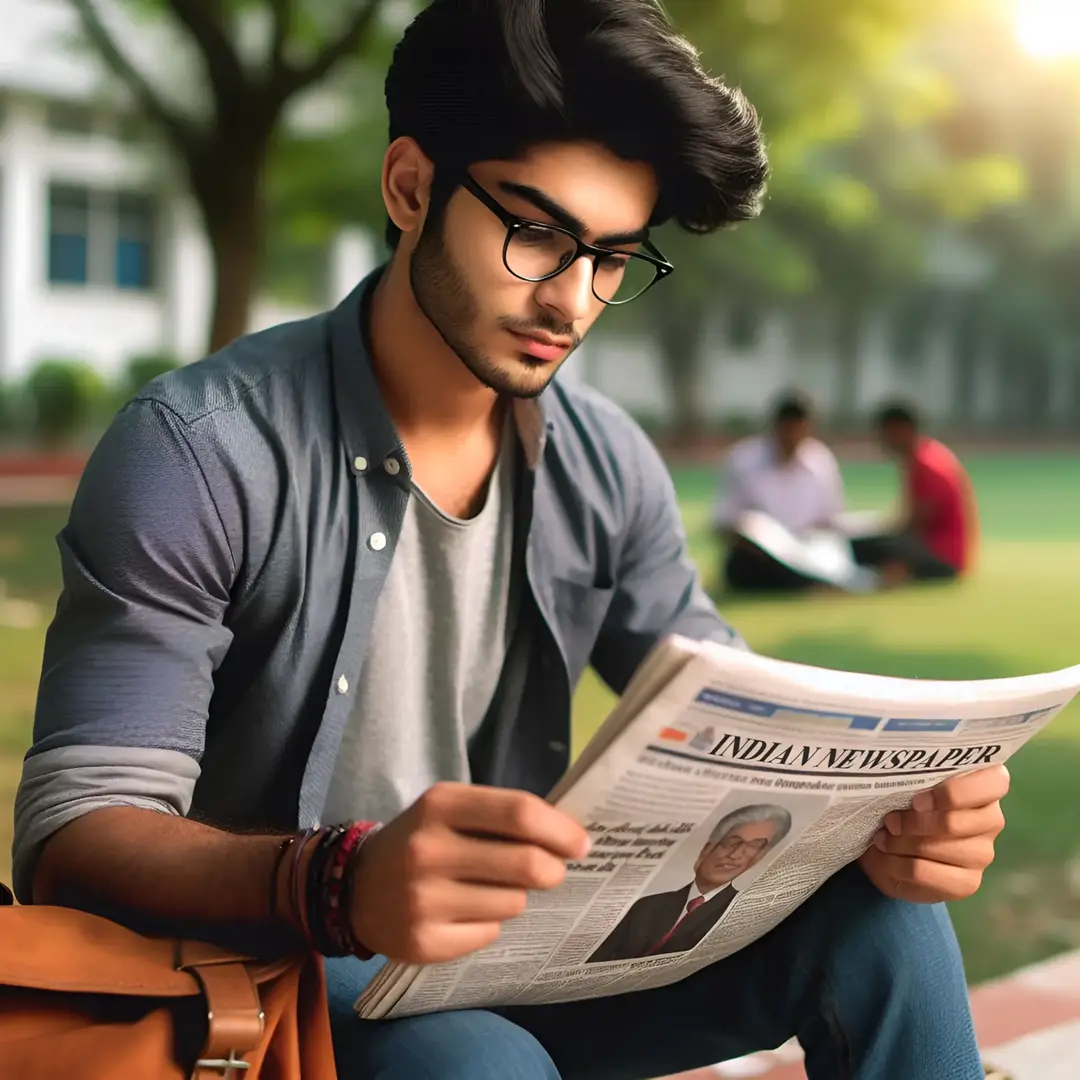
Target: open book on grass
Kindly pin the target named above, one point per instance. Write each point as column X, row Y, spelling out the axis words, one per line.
column 722, row 791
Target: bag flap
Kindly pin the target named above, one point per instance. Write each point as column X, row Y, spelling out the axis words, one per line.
column 64, row 950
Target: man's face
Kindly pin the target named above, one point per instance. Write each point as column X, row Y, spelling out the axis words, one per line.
column 736, row 852
column 896, row 437
column 514, row 335
column 790, row 434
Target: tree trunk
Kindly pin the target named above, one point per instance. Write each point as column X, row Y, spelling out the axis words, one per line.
column 237, row 246
column 227, row 181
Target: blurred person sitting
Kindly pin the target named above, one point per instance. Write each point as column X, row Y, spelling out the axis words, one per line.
column 785, row 481
column 936, row 538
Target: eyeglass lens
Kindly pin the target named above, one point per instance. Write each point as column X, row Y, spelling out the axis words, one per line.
column 733, row 843
column 534, row 253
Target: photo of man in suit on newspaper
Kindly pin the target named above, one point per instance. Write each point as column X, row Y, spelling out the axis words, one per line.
column 677, row 920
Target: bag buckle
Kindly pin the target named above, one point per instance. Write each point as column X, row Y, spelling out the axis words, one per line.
column 226, row 1066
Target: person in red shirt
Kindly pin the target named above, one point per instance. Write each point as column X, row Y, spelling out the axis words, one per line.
column 937, row 537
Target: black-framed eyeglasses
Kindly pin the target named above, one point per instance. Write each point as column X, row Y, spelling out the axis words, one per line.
column 538, row 251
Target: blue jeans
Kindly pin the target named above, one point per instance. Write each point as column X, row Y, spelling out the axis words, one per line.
column 874, row 989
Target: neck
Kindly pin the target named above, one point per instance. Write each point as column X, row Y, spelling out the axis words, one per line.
column 427, row 389
column 705, row 887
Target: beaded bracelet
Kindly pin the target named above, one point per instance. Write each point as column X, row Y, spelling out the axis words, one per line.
column 358, row 948
column 336, row 907
column 320, row 900
column 315, row 923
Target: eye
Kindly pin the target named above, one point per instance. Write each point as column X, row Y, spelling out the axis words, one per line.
column 615, row 263
column 535, row 236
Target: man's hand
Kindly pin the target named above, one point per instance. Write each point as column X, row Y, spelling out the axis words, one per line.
column 938, row 850
column 438, row 882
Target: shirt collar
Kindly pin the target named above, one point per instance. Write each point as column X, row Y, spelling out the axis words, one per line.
column 798, row 458
column 695, row 891
column 367, row 431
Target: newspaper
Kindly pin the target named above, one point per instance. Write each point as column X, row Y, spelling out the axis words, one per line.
column 723, row 790
column 824, row 555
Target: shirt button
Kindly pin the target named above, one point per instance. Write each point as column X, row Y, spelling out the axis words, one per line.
column 343, row 685
column 377, row 541
column 392, row 466
column 557, row 747
column 360, row 464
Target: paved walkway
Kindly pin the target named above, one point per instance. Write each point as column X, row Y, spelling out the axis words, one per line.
column 37, row 490
column 1028, row 1025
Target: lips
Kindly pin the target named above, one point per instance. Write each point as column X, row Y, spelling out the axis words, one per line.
column 543, row 348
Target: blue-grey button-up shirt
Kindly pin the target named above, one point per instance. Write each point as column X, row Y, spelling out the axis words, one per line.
column 222, row 563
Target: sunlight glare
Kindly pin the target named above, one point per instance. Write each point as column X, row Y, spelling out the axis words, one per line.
column 1049, row 29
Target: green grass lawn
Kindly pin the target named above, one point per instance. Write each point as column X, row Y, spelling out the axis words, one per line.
column 1018, row 615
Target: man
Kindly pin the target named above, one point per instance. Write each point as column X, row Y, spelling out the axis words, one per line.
column 936, row 540
column 314, row 580
column 677, row 921
column 777, row 488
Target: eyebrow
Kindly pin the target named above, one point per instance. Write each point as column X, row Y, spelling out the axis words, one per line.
column 546, row 204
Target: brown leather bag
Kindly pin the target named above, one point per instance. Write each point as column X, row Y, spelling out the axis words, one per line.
column 82, row 998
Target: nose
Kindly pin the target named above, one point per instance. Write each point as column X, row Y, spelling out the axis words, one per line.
column 571, row 293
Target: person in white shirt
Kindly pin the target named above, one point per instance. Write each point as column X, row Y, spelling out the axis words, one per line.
column 785, row 478
column 678, row 920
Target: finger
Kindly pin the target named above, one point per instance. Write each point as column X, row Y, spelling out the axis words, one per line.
column 970, row 853
column 439, row 943
column 443, row 901
column 514, row 815
column 440, row 853
column 919, row 881
column 966, row 792
column 985, row 821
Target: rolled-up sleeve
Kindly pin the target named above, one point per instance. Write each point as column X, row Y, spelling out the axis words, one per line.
column 658, row 590
column 138, row 633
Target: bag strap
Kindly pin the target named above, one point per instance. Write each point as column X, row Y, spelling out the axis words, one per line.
column 235, row 1019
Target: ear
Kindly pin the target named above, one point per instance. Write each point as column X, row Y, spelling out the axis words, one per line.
column 406, row 184
column 703, row 854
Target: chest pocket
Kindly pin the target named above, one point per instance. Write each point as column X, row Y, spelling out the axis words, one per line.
column 580, row 607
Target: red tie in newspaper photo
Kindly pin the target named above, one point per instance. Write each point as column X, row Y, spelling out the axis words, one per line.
column 690, row 909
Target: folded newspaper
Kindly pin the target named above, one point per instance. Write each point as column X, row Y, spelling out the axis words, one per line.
column 723, row 790
column 823, row 554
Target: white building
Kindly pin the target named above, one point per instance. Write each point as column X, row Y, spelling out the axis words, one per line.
column 101, row 254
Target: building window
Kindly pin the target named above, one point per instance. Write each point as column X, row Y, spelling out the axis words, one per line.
column 136, row 221
column 105, row 239
column 69, row 235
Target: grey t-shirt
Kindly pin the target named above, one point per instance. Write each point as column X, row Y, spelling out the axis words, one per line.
column 441, row 633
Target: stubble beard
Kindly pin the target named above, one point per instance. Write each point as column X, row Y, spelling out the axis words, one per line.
column 447, row 302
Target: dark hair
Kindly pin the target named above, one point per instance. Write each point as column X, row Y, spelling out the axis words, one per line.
column 897, row 412
column 483, row 80
column 792, row 406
